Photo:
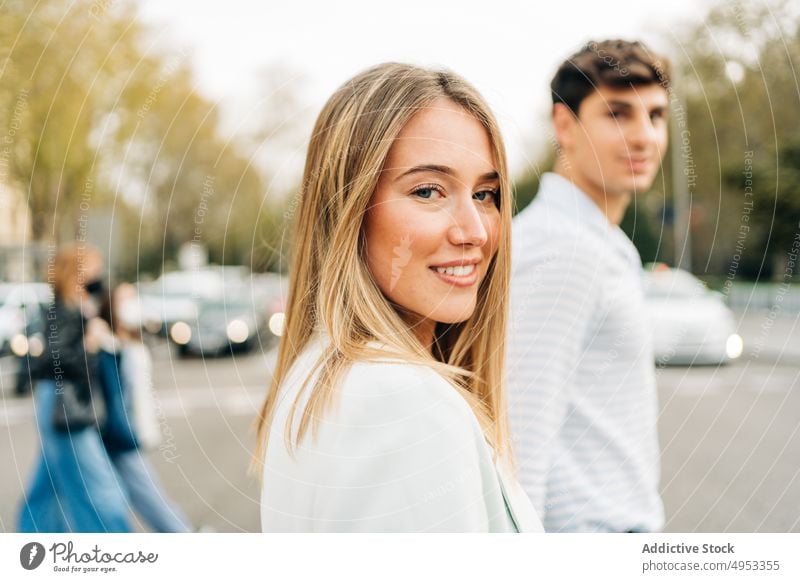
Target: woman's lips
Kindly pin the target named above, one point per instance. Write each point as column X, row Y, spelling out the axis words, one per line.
column 464, row 276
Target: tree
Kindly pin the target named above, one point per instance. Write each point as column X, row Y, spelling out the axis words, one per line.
column 64, row 64
column 742, row 96
column 98, row 124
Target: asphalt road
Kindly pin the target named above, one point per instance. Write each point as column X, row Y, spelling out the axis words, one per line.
column 730, row 437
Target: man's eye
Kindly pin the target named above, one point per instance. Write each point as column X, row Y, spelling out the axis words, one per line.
column 615, row 114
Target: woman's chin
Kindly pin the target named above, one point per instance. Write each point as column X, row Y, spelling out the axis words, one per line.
column 451, row 316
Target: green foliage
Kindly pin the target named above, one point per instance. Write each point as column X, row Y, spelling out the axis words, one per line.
column 742, row 97
column 104, row 126
column 526, row 187
column 638, row 225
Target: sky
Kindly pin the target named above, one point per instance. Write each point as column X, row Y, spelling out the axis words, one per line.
column 508, row 49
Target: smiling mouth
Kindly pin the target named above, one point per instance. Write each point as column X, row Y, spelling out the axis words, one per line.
column 638, row 163
column 459, row 276
column 458, row 271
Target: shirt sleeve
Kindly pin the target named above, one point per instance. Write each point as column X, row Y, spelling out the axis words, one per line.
column 554, row 295
column 401, row 456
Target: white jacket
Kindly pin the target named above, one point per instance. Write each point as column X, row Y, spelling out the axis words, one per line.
column 398, row 451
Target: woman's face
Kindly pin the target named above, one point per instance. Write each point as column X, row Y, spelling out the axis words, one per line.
column 433, row 225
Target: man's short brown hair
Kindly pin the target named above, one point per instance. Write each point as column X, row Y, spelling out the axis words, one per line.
column 610, row 63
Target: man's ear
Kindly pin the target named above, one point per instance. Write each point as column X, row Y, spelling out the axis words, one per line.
column 564, row 123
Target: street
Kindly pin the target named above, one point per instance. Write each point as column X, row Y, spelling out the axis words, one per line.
column 730, row 437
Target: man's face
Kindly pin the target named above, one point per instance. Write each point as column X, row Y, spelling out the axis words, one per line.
column 617, row 142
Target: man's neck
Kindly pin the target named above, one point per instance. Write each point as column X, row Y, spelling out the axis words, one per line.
column 613, row 206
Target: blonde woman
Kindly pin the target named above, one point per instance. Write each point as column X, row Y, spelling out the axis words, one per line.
column 386, row 410
column 74, row 487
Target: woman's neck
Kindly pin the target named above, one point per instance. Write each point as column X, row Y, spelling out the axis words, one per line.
column 425, row 331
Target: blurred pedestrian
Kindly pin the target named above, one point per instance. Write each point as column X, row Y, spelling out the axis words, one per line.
column 387, row 409
column 74, row 487
column 132, row 425
column 582, row 390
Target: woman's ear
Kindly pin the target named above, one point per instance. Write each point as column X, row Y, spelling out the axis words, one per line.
column 564, row 123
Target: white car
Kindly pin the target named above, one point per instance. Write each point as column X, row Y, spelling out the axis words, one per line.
column 691, row 324
column 19, row 302
column 215, row 308
column 274, row 288
column 175, row 296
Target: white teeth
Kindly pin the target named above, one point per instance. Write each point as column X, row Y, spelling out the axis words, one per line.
column 459, row 271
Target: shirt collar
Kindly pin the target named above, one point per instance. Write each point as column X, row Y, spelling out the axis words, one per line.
column 557, row 192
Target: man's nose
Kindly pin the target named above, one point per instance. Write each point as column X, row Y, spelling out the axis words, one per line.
column 643, row 132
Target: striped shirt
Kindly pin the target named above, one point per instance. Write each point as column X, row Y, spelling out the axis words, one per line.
column 581, row 378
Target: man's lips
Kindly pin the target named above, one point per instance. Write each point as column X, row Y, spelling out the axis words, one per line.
column 638, row 164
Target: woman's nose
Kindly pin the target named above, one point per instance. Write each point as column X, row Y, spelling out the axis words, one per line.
column 467, row 227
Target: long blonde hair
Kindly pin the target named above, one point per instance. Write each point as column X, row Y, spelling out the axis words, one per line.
column 330, row 286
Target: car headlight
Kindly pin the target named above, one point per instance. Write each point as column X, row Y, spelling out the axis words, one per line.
column 152, row 326
column 734, row 346
column 19, row 345
column 181, row 333
column 276, row 323
column 238, row 331
column 36, row 345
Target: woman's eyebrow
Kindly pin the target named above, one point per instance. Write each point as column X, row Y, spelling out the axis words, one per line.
column 446, row 170
column 428, row 168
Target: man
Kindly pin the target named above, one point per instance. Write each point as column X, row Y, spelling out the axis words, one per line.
column 582, row 391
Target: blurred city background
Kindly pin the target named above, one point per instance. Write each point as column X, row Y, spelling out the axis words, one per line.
column 176, row 148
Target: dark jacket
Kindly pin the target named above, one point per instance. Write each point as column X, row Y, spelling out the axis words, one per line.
column 64, row 356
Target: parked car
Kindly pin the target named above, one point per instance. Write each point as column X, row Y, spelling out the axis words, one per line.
column 22, row 327
column 215, row 310
column 161, row 309
column 691, row 324
column 275, row 289
column 221, row 327
column 175, row 296
column 21, row 301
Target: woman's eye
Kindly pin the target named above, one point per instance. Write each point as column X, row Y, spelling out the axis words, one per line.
column 485, row 195
column 426, row 192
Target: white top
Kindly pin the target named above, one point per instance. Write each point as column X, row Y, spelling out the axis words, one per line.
column 399, row 451
column 582, row 390
column 136, row 367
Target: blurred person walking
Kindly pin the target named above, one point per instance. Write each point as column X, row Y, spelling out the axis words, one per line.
column 74, row 487
column 132, row 425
